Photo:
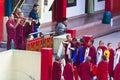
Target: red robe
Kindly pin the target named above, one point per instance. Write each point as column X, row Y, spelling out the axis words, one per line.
column 117, row 72
column 11, row 34
column 68, row 72
column 102, row 47
column 102, row 71
column 92, row 54
column 84, row 71
column 56, row 71
column 111, row 62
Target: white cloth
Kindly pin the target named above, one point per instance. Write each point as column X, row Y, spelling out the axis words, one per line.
column 116, row 58
column 60, row 50
column 99, row 55
column 86, row 53
column 68, row 52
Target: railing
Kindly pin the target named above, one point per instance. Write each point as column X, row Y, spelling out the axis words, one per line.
column 19, row 5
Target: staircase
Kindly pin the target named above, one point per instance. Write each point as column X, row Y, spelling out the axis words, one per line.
column 27, row 6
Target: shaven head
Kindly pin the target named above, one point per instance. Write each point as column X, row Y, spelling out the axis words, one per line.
column 57, row 58
column 104, row 57
column 88, row 58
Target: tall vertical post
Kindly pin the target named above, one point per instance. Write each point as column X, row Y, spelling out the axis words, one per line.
column 60, row 9
column 46, row 63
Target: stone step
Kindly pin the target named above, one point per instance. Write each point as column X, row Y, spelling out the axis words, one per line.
column 3, row 44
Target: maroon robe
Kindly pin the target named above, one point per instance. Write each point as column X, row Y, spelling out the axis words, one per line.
column 66, row 55
column 84, row 71
column 111, row 62
column 117, row 72
column 117, row 49
column 56, row 71
column 68, row 72
column 92, row 54
column 102, row 47
column 11, row 34
column 102, row 71
column 20, row 35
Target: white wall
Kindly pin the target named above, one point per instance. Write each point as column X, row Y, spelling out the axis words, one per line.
column 76, row 10
column 20, row 65
column 99, row 5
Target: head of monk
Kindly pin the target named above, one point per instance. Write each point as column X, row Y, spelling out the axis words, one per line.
column 88, row 58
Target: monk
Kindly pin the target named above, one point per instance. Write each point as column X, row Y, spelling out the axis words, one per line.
column 68, row 37
column 100, row 51
column 92, row 51
column 68, row 71
column 16, row 13
column 102, row 71
column 117, row 72
column 74, row 44
column 118, row 46
column 11, row 26
column 56, row 71
column 111, row 59
column 101, row 46
column 85, row 69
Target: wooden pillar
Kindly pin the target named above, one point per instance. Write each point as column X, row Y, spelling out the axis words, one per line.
column 46, row 63
column 1, row 18
column 60, row 9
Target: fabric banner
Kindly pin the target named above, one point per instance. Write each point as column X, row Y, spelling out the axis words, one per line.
column 38, row 43
column 8, row 7
column 90, row 6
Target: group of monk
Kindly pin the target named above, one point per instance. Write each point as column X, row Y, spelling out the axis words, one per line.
column 82, row 61
column 18, row 29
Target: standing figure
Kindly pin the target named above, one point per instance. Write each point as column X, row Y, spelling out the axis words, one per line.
column 68, row 71
column 56, row 71
column 117, row 72
column 11, row 31
column 85, row 69
column 35, row 18
column 102, row 71
column 111, row 59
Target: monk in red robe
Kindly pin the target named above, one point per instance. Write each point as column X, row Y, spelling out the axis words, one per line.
column 101, row 46
column 92, row 51
column 117, row 72
column 56, row 71
column 118, row 46
column 85, row 69
column 11, row 31
column 111, row 59
column 68, row 71
column 16, row 13
column 68, row 37
column 102, row 71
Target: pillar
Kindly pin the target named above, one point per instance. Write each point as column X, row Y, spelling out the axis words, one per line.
column 60, row 9
column 46, row 63
column 1, row 18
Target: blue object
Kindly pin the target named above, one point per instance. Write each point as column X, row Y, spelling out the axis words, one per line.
column 75, row 55
column 107, row 17
column 8, row 7
column 35, row 30
column 81, row 54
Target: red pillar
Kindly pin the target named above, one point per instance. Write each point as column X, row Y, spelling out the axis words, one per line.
column 109, row 5
column 1, row 18
column 46, row 63
column 60, row 9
